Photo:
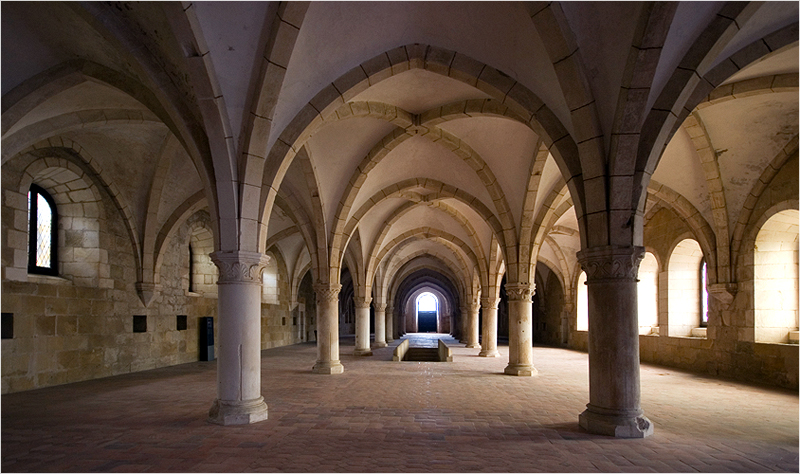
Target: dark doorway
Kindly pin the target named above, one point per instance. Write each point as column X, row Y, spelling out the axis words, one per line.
column 426, row 321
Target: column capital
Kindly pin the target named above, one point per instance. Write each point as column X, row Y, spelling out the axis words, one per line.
column 362, row 302
column 520, row 291
column 490, row 303
column 327, row 292
column 380, row 307
column 239, row 266
column 611, row 262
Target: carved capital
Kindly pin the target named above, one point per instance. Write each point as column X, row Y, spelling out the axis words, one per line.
column 380, row 307
column 489, row 303
column 362, row 303
column 146, row 292
column 520, row 291
column 611, row 262
column 327, row 293
column 724, row 292
column 239, row 266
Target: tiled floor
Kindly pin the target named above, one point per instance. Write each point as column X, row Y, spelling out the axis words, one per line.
column 383, row 416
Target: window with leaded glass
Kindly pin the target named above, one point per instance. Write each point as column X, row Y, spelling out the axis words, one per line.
column 42, row 219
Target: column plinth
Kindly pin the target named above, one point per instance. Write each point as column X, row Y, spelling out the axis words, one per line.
column 520, row 330
column 239, row 399
column 327, row 330
column 380, row 325
column 614, row 407
column 489, row 346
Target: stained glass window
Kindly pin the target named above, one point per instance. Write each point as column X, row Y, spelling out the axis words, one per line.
column 41, row 229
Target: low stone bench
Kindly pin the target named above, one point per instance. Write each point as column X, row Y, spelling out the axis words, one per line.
column 445, row 353
column 400, row 351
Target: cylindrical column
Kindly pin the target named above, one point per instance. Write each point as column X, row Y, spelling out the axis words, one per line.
column 463, row 324
column 520, row 329
column 362, row 327
column 614, row 407
column 473, row 327
column 380, row 325
column 390, row 325
column 489, row 343
column 327, row 329
column 239, row 399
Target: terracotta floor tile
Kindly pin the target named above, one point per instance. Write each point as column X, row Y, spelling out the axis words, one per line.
column 383, row 416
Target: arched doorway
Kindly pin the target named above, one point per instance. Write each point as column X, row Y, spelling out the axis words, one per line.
column 427, row 306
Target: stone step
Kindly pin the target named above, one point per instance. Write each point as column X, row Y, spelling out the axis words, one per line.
column 422, row 354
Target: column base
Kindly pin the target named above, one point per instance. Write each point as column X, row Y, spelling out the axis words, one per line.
column 362, row 352
column 520, row 370
column 328, row 367
column 491, row 353
column 379, row 344
column 237, row 412
column 473, row 346
column 389, row 339
column 617, row 425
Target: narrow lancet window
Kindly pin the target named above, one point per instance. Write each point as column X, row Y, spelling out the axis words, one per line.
column 42, row 220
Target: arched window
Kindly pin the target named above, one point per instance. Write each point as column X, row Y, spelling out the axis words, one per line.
column 776, row 278
column 42, row 228
column 647, row 294
column 686, row 291
column 202, row 273
column 582, row 303
column 427, row 312
column 191, row 270
column 703, row 294
column 269, row 282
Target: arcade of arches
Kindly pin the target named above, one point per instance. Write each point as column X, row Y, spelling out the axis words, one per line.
column 614, row 177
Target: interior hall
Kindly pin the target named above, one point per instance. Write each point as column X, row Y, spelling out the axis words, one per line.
column 399, row 236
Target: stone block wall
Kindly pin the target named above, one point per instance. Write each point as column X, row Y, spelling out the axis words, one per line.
column 79, row 325
column 729, row 348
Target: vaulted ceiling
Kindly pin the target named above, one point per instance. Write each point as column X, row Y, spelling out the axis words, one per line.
column 410, row 161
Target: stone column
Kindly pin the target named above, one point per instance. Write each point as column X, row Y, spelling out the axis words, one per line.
column 520, row 329
column 614, row 407
column 390, row 325
column 380, row 325
column 464, row 324
column 327, row 329
column 473, row 327
column 362, row 327
column 239, row 399
column 489, row 345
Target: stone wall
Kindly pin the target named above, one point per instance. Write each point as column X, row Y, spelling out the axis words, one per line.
column 68, row 328
column 79, row 325
column 729, row 348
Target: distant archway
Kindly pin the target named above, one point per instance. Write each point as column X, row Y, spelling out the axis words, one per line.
column 427, row 311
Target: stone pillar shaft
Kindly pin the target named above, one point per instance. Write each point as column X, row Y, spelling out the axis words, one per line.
column 390, row 325
column 380, row 325
column 362, row 327
column 328, row 330
column 489, row 344
column 520, row 329
column 614, row 407
column 239, row 399
column 473, row 327
column 463, row 323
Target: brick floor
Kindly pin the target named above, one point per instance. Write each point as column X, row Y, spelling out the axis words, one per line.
column 383, row 416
